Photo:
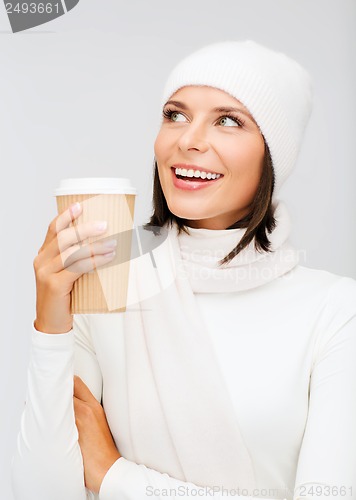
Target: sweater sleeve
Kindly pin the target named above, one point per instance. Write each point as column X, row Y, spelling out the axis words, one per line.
column 327, row 459
column 127, row 480
column 47, row 463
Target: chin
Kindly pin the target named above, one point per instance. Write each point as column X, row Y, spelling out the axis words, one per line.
column 184, row 212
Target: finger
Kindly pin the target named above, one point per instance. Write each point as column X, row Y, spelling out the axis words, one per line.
column 79, row 267
column 73, row 236
column 75, row 253
column 62, row 221
column 79, row 233
column 67, row 243
column 82, row 391
column 78, row 405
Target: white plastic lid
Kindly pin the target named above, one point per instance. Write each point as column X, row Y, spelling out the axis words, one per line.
column 95, row 185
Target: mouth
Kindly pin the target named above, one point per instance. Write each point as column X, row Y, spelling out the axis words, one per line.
column 192, row 179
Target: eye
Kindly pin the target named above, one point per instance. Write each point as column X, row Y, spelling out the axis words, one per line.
column 229, row 121
column 172, row 115
column 175, row 116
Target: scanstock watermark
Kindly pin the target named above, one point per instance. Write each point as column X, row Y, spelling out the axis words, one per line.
column 26, row 15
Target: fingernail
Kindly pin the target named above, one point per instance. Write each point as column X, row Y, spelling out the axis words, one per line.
column 110, row 243
column 75, row 208
column 101, row 225
column 110, row 254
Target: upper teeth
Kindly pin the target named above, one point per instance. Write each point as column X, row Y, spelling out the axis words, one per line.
column 195, row 173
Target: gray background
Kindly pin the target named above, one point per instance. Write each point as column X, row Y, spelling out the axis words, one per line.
column 80, row 97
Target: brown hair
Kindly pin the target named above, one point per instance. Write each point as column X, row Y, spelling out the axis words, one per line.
column 258, row 221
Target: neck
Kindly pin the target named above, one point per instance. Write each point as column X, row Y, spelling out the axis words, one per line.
column 202, row 249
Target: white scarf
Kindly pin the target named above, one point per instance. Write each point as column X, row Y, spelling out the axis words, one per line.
column 173, row 377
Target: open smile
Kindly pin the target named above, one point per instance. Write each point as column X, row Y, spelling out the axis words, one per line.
column 193, row 179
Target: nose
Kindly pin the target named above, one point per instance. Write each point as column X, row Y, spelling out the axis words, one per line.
column 193, row 137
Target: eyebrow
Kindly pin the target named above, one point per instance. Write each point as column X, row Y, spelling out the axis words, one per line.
column 223, row 109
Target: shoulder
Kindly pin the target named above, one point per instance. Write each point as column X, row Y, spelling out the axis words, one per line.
column 342, row 288
column 336, row 316
column 327, row 297
column 310, row 279
column 314, row 287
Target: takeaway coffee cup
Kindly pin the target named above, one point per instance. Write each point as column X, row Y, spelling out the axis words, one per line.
column 104, row 290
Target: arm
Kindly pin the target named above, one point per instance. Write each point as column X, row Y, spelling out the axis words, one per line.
column 327, row 460
column 47, row 458
column 130, row 481
column 127, row 480
column 47, row 463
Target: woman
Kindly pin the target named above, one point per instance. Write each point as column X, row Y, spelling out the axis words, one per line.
column 235, row 374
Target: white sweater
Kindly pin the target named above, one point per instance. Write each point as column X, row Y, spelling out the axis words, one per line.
column 287, row 351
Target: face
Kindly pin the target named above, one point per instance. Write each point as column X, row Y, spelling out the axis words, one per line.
column 206, row 131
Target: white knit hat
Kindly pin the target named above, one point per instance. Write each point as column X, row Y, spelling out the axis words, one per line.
column 275, row 89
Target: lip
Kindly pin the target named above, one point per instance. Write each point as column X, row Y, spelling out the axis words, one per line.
column 191, row 185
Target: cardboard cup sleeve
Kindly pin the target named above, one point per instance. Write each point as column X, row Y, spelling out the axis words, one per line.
column 104, row 289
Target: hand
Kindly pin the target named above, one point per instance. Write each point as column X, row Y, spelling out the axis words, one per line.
column 61, row 260
column 95, row 440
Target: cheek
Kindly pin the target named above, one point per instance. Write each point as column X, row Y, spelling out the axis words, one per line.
column 246, row 159
column 162, row 145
